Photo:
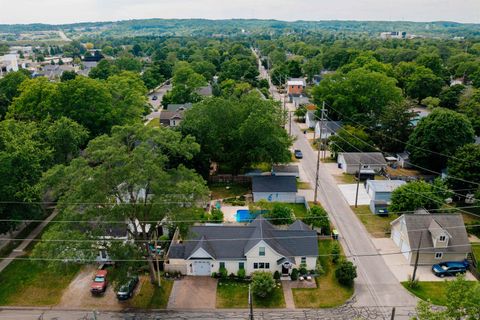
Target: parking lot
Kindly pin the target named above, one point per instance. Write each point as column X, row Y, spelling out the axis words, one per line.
column 399, row 266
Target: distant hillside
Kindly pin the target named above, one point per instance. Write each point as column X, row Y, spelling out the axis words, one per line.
column 235, row 26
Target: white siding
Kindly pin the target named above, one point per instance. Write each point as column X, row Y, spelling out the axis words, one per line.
column 288, row 197
column 270, row 257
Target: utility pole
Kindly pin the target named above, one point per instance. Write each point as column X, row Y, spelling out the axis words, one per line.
column 393, row 314
column 318, row 155
column 416, row 258
column 250, row 302
column 290, row 123
column 156, row 257
column 358, row 183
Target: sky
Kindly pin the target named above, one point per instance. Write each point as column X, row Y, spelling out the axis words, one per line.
column 70, row 11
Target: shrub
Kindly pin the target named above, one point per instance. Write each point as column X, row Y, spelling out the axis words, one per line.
column 214, row 274
column 319, row 268
column 223, row 272
column 303, row 271
column 345, row 273
column 262, row 283
column 335, row 252
column 412, row 284
column 241, row 274
column 280, row 214
column 276, row 275
column 318, row 217
column 216, row 216
column 294, row 274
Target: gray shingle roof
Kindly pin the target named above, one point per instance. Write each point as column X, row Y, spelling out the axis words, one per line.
column 299, row 225
column 285, row 168
column 274, row 184
column 232, row 242
column 179, row 107
column 371, row 158
column 451, row 223
column 385, row 185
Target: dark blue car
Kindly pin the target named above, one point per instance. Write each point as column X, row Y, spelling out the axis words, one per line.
column 449, row 268
column 298, row 154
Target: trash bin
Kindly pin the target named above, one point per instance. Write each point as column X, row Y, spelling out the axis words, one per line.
column 335, row 234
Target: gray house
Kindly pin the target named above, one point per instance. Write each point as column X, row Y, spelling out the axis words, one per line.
column 443, row 237
column 380, row 192
column 179, row 107
column 258, row 246
column 285, row 170
column 329, row 128
column 274, row 188
column 349, row 161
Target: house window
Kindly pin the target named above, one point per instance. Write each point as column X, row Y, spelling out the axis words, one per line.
column 261, row 265
column 303, row 261
column 261, row 251
column 241, row 265
column 442, row 238
column 267, row 265
column 438, row 255
column 222, row 265
column 255, row 265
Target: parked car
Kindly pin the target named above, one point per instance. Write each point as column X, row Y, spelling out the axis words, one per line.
column 126, row 289
column 298, row 154
column 154, row 98
column 99, row 284
column 449, row 268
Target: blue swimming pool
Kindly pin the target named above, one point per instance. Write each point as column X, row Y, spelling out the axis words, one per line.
column 246, row 215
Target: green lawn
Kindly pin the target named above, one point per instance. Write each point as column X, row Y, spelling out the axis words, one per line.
column 155, row 123
column 220, row 191
column 30, row 283
column 6, row 250
column 151, row 296
column 476, row 253
column 303, row 185
column 435, row 291
column 233, row 294
column 298, row 208
column 377, row 226
column 329, row 293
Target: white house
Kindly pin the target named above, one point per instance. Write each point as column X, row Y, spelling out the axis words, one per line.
column 349, row 162
column 274, row 188
column 310, row 119
column 8, row 63
column 329, row 128
column 443, row 237
column 258, row 246
column 380, row 192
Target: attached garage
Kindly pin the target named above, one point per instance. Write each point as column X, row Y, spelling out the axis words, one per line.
column 201, row 268
column 396, row 237
column 405, row 250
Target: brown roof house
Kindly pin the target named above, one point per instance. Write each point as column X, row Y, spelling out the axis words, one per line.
column 443, row 237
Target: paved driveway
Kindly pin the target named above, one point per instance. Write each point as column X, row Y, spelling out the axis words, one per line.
column 399, row 266
column 349, row 191
column 193, row 293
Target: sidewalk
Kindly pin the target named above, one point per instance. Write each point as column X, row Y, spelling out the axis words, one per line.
column 19, row 250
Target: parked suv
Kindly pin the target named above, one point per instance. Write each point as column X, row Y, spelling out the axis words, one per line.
column 99, row 284
column 449, row 268
column 127, row 288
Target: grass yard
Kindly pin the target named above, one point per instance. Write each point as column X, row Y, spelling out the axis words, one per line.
column 7, row 249
column 30, row 283
column 154, row 123
column 233, row 294
column 476, row 253
column 435, row 291
column 377, row 226
column 303, row 185
column 151, row 296
column 219, row 191
column 298, row 208
column 329, row 293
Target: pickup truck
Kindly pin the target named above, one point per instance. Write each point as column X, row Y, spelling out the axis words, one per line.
column 99, row 283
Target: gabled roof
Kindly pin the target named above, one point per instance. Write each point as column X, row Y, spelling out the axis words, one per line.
column 420, row 225
column 367, row 158
column 296, row 82
column 285, row 168
column 385, row 185
column 274, row 184
column 330, row 126
column 299, row 225
column 178, row 107
column 233, row 242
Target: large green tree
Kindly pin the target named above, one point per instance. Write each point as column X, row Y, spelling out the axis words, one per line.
column 9, row 86
column 417, row 195
column 437, row 137
column 350, row 139
column 464, row 169
column 423, row 83
column 360, row 95
column 133, row 176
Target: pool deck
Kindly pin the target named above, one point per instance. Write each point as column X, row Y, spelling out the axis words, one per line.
column 230, row 211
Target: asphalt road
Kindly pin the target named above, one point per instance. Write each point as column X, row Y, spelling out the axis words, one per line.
column 156, row 104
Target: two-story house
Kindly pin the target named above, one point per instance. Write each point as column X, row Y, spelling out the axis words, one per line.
column 258, row 246
column 441, row 237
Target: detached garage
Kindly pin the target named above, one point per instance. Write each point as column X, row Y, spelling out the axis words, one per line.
column 274, row 188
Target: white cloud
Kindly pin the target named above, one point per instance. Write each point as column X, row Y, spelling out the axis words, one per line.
column 67, row 11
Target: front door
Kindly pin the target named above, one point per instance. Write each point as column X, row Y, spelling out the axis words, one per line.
column 284, row 270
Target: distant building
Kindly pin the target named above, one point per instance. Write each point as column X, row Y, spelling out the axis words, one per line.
column 274, row 188
column 329, row 128
column 380, row 192
column 296, row 86
column 350, row 162
column 171, row 118
column 403, row 160
column 394, row 35
column 8, row 63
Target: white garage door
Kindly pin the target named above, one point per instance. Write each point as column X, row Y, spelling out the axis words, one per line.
column 201, row 268
column 396, row 237
column 406, row 250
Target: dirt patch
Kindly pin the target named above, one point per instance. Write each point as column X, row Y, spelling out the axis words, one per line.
column 77, row 295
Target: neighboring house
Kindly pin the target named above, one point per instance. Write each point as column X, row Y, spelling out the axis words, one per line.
column 420, row 114
column 443, row 237
column 117, row 233
column 205, row 91
column 274, row 188
column 296, row 86
column 380, row 192
column 349, row 161
column 179, row 107
column 329, row 128
column 54, row 72
column 171, row 118
column 310, row 119
column 285, row 170
column 394, row 35
column 8, row 63
column 403, row 160
column 258, row 246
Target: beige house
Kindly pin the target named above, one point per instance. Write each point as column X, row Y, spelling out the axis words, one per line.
column 443, row 237
column 258, row 246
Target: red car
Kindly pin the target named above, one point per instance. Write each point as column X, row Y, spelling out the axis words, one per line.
column 99, row 284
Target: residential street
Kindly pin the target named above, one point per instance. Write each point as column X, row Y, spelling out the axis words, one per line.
column 376, row 285
column 156, row 104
